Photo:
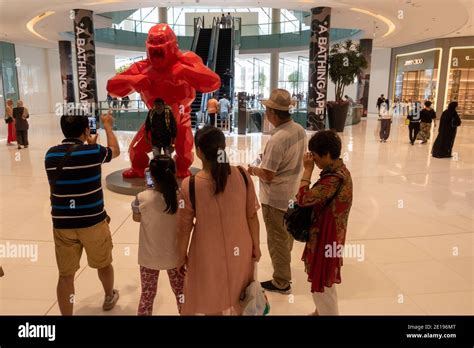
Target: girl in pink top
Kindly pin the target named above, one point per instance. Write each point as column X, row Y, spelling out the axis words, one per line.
column 225, row 241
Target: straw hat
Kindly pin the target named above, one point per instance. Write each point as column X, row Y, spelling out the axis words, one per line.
column 280, row 99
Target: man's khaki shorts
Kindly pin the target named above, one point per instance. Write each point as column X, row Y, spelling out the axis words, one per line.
column 69, row 243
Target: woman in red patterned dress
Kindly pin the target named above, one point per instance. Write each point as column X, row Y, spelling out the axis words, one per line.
column 331, row 198
column 11, row 136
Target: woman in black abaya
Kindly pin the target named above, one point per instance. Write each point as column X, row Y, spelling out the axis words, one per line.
column 448, row 124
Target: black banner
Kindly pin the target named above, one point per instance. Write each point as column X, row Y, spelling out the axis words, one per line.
column 318, row 67
column 85, row 60
column 364, row 78
column 67, row 77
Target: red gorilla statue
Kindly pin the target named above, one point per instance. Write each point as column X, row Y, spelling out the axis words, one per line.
column 174, row 76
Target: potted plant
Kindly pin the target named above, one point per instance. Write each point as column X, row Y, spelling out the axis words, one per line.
column 345, row 64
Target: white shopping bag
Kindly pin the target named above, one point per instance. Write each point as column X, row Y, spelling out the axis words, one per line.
column 254, row 301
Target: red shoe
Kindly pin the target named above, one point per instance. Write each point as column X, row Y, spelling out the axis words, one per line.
column 133, row 173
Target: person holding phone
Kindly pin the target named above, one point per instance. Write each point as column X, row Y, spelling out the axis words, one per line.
column 160, row 124
column 155, row 209
column 74, row 170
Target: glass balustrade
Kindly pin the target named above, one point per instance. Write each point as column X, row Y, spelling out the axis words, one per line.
column 293, row 26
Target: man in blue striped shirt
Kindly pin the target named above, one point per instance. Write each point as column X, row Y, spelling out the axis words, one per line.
column 77, row 201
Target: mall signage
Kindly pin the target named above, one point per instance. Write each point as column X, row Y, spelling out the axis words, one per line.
column 318, row 67
column 85, row 60
column 416, row 61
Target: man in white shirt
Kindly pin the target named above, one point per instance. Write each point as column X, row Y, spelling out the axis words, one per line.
column 279, row 175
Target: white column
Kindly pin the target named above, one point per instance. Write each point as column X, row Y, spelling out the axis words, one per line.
column 275, row 56
column 163, row 14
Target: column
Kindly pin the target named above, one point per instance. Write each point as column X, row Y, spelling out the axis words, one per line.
column 85, row 61
column 275, row 56
column 67, row 77
column 162, row 14
column 318, row 67
column 363, row 80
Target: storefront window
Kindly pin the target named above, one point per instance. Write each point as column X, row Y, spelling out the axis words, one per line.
column 416, row 76
column 461, row 81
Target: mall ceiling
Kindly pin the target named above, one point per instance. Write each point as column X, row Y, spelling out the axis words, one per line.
column 391, row 23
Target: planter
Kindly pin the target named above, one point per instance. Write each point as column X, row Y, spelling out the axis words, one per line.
column 337, row 114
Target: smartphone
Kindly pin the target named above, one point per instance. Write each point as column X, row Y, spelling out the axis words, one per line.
column 93, row 125
column 257, row 161
column 149, row 179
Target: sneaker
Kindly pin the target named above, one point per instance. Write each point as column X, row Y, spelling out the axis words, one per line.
column 268, row 286
column 110, row 301
column 424, row 142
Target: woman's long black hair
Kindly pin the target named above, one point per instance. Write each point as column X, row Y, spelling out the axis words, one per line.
column 163, row 171
column 211, row 141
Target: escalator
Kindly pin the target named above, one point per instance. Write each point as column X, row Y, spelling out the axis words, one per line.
column 224, row 61
column 201, row 44
column 225, row 64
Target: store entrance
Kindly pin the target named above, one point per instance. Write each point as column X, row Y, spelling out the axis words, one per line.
column 418, row 85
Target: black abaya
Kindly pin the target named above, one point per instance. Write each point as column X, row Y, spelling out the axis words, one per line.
column 444, row 142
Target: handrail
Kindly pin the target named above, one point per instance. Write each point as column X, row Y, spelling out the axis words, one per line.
column 232, row 60
column 211, row 59
column 197, row 30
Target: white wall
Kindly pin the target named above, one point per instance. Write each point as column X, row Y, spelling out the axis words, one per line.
column 379, row 76
column 33, row 78
column 105, row 69
column 55, row 84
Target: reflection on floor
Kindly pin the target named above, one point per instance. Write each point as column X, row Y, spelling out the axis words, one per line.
column 412, row 215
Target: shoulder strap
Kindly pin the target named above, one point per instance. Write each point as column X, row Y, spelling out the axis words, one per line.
column 192, row 191
column 242, row 171
column 60, row 166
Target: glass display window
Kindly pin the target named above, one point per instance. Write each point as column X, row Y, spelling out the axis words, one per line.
column 416, row 76
column 460, row 82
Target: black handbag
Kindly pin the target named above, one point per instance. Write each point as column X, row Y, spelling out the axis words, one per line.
column 8, row 120
column 298, row 220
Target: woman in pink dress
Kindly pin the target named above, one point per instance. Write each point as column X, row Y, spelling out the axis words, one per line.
column 225, row 241
column 11, row 136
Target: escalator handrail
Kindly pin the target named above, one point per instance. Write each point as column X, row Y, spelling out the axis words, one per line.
column 195, row 39
column 232, row 60
column 211, row 60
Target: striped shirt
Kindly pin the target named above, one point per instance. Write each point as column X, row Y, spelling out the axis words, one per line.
column 77, row 200
column 284, row 156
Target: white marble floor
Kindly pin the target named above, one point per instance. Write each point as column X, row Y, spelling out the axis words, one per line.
column 412, row 215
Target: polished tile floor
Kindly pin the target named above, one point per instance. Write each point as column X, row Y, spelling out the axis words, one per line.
column 412, row 217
